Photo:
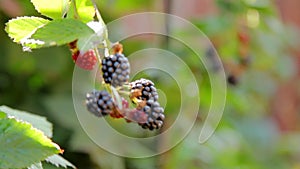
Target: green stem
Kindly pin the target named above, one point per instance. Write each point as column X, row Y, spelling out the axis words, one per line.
column 76, row 15
column 100, row 19
column 126, row 93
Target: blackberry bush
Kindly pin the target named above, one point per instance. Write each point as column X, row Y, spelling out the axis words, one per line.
column 99, row 103
column 115, row 69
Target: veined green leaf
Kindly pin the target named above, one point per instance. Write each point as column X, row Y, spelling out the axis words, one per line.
column 58, row 32
column 59, row 161
column 22, row 145
column 36, row 121
column 85, row 10
column 21, row 28
column 54, row 9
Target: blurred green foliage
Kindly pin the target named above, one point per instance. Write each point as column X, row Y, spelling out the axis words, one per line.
column 247, row 137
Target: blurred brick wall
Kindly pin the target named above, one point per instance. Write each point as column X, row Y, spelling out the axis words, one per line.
column 286, row 104
column 193, row 8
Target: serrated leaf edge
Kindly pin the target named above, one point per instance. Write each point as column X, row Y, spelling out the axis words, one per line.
column 3, row 107
column 23, row 17
column 37, row 131
column 68, row 164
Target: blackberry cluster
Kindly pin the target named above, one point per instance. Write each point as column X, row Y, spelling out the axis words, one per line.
column 143, row 89
column 99, row 103
column 146, row 93
column 115, row 69
column 155, row 115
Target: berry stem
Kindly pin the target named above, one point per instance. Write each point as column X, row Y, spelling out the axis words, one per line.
column 124, row 87
column 116, row 97
column 127, row 93
column 98, row 57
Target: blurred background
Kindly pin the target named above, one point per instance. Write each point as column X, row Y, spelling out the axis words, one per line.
column 258, row 43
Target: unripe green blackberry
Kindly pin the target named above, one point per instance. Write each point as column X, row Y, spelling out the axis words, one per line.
column 143, row 89
column 115, row 69
column 155, row 114
column 99, row 103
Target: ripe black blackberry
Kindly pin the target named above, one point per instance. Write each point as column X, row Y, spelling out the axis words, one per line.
column 115, row 69
column 99, row 103
column 143, row 89
column 155, row 114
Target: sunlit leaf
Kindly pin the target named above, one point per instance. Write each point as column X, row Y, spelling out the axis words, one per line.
column 58, row 32
column 85, row 10
column 23, row 27
column 36, row 121
column 54, row 9
column 22, row 145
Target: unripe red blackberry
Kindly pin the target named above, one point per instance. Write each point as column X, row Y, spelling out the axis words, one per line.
column 155, row 114
column 143, row 89
column 86, row 60
column 115, row 69
column 99, row 103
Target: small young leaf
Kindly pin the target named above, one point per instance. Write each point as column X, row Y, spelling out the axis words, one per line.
column 59, row 161
column 85, row 10
column 58, row 32
column 22, row 145
column 36, row 121
column 23, row 27
column 36, row 166
column 54, row 9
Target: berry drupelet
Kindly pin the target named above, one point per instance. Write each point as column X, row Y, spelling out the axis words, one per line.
column 115, row 69
column 155, row 115
column 143, row 89
column 99, row 103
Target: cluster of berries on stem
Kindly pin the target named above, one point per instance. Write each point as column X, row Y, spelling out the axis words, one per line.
column 115, row 69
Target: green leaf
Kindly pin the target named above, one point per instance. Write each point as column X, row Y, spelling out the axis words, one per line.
column 58, row 32
column 2, row 115
column 94, row 40
column 85, row 10
column 36, row 166
column 59, row 161
column 36, row 121
column 54, row 9
column 22, row 145
column 22, row 28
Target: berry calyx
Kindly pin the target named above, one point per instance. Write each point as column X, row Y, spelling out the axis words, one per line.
column 99, row 103
column 115, row 69
column 117, row 48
